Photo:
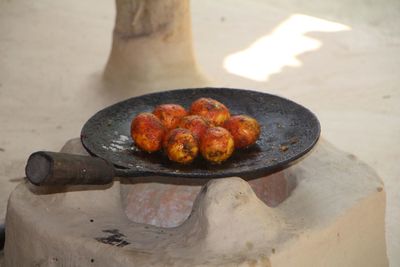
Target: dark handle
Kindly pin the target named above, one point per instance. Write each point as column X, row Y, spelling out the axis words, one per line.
column 2, row 236
column 52, row 168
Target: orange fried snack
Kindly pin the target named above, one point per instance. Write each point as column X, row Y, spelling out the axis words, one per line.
column 147, row 132
column 198, row 125
column 181, row 145
column 210, row 109
column 216, row 145
column 245, row 130
column 170, row 114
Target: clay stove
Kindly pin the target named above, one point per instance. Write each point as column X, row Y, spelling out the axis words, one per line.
column 325, row 221
column 333, row 217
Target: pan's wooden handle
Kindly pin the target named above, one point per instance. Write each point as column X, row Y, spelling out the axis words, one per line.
column 52, row 168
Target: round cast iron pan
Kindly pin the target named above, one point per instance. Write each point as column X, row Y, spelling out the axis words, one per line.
column 288, row 131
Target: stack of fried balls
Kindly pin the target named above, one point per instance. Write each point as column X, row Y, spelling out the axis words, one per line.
column 207, row 129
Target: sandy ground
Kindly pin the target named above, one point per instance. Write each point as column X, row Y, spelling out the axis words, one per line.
column 339, row 59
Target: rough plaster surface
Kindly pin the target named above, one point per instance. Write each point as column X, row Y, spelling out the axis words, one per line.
column 50, row 78
column 335, row 217
column 167, row 202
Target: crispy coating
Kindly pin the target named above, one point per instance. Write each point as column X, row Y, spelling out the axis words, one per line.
column 217, row 144
column 210, row 109
column 245, row 130
column 147, row 132
column 170, row 114
column 181, row 145
column 198, row 125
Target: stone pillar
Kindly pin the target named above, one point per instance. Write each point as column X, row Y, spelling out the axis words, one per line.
column 152, row 46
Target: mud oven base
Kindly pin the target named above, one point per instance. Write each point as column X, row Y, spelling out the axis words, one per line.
column 333, row 217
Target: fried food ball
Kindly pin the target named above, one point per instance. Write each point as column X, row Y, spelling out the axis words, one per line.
column 181, row 145
column 245, row 130
column 170, row 114
column 210, row 109
column 147, row 132
column 196, row 124
column 217, row 144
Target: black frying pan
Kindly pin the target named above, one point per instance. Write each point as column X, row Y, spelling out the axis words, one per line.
column 288, row 131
